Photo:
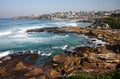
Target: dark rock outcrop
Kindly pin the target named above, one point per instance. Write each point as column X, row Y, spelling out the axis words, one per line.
column 42, row 29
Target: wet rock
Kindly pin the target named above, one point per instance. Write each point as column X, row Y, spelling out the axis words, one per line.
column 69, row 29
column 36, row 30
column 68, row 52
column 115, row 48
column 49, row 29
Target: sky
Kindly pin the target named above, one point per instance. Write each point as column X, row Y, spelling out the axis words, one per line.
column 11, row 8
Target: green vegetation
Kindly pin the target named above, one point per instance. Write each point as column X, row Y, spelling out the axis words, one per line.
column 115, row 75
column 113, row 21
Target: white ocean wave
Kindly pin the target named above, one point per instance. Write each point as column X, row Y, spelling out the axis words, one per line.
column 40, row 53
column 72, row 24
column 59, row 24
column 60, row 47
column 3, row 54
column 35, row 52
column 25, row 38
column 97, row 41
column 45, row 54
column 64, row 47
column 5, row 33
column 23, row 30
column 20, row 36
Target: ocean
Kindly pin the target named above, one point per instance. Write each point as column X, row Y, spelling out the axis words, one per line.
column 14, row 39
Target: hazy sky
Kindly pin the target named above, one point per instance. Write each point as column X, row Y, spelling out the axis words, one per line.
column 10, row 8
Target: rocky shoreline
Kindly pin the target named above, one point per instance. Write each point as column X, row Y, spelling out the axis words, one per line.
column 88, row 60
column 101, row 32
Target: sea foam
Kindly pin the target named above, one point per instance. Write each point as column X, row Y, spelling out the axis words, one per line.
column 59, row 24
column 3, row 54
column 5, row 33
column 72, row 24
column 45, row 54
column 55, row 37
column 60, row 47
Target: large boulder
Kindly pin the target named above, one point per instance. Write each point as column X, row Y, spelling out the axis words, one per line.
column 59, row 58
column 66, row 64
column 19, row 66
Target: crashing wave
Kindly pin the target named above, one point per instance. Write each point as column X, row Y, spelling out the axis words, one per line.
column 60, row 47
column 98, row 42
column 20, row 35
column 64, row 47
column 5, row 33
column 72, row 24
column 59, row 24
column 45, row 54
column 3, row 54
column 7, row 53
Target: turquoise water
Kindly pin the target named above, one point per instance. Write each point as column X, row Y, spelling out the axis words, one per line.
column 13, row 36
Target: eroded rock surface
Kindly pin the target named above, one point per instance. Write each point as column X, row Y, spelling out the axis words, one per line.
column 86, row 60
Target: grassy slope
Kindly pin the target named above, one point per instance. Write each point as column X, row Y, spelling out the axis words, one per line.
column 115, row 75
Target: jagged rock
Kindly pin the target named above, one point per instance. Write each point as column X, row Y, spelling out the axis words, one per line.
column 66, row 63
column 19, row 66
column 86, row 63
column 54, row 74
column 59, row 58
column 110, row 36
column 34, row 72
column 92, row 58
column 113, row 61
column 107, row 56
